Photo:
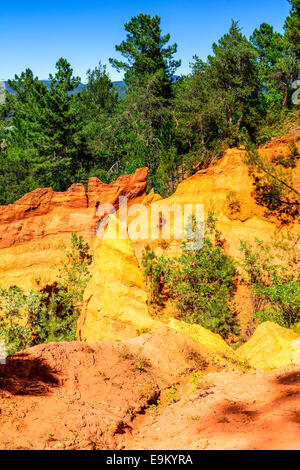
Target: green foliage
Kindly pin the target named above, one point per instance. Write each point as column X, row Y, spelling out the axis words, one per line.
column 283, row 295
column 13, row 333
column 289, row 161
column 34, row 317
column 292, row 27
column 145, row 49
column 153, row 406
column 171, row 395
column 256, row 269
column 56, row 135
column 197, row 382
column 140, row 366
column 233, row 73
column 275, row 291
column 201, row 282
column 43, row 148
column 154, row 269
column 74, row 271
column 273, row 182
column 99, row 96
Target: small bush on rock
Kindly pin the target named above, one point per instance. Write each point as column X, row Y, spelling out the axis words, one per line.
column 49, row 314
column 200, row 282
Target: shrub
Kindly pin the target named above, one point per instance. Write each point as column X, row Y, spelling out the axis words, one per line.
column 201, row 282
column 275, row 291
column 13, row 331
column 289, row 161
column 273, row 184
column 283, row 298
column 256, row 269
column 49, row 314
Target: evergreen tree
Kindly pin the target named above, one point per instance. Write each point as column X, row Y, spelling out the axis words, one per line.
column 99, row 95
column 146, row 108
column 59, row 125
column 44, row 145
column 292, row 27
column 269, row 46
column 145, row 49
column 233, row 74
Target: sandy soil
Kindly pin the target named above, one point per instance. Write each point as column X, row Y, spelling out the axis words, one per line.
column 115, row 396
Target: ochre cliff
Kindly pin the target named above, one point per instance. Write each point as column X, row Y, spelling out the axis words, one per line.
column 34, row 227
column 116, row 294
column 116, row 297
column 115, row 301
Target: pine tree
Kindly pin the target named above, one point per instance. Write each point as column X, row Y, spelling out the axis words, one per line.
column 147, row 53
column 292, row 27
column 45, row 141
column 99, row 95
column 233, row 73
column 269, row 46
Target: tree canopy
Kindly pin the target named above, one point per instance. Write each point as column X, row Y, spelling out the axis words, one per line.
column 55, row 134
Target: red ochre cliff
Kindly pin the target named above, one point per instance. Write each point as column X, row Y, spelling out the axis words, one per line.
column 34, row 227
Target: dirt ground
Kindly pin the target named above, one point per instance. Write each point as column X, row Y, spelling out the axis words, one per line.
column 157, row 391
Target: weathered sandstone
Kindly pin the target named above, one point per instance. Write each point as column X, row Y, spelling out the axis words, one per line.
column 271, row 347
column 115, row 300
column 34, row 227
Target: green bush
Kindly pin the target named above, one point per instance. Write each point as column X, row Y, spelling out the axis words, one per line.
column 275, row 291
column 49, row 314
column 201, row 282
column 13, row 332
column 283, row 298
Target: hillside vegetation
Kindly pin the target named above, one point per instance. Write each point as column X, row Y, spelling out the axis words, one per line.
column 244, row 92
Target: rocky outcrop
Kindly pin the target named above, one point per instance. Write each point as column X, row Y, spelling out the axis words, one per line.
column 205, row 337
column 115, row 306
column 271, row 347
column 115, row 300
column 226, row 189
column 34, row 227
column 131, row 186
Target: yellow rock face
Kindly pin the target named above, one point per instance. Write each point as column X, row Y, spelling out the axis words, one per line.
column 270, row 347
column 211, row 340
column 115, row 298
column 223, row 183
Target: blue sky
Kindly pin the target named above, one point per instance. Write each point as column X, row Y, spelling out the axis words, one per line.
column 36, row 34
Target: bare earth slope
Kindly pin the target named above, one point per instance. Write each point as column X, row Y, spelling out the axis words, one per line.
column 235, row 412
column 99, row 396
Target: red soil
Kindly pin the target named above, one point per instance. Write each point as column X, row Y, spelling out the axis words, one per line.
column 97, row 396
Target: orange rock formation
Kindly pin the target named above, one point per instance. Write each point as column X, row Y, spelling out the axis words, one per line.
column 115, row 300
column 34, row 227
column 32, row 230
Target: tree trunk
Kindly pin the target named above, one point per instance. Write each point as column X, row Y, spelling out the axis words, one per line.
column 286, row 87
column 285, row 97
column 238, row 124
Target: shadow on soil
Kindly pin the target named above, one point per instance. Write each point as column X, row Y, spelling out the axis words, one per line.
column 25, row 375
